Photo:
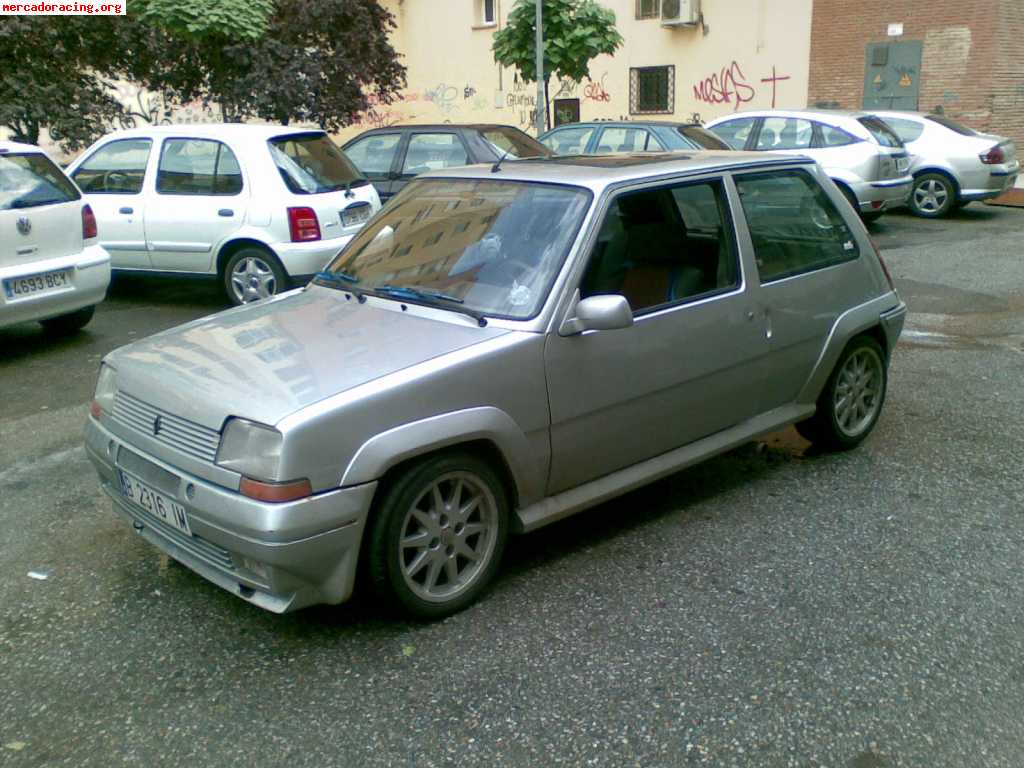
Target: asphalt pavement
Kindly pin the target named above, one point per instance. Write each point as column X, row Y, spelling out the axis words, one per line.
column 771, row 607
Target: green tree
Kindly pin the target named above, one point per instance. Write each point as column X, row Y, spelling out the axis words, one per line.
column 575, row 32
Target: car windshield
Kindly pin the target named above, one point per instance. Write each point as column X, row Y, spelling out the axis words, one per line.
column 516, row 144
column 30, row 180
column 478, row 246
column 881, row 132
column 953, row 125
column 702, row 137
column 310, row 163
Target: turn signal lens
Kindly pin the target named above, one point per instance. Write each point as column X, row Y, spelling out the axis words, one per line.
column 275, row 492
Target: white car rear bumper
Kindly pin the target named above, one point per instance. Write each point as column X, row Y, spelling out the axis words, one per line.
column 88, row 275
column 306, row 259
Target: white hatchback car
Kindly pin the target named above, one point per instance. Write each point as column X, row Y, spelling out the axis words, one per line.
column 52, row 268
column 258, row 206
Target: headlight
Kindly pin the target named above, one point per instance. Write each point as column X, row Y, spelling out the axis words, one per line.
column 106, row 389
column 251, row 449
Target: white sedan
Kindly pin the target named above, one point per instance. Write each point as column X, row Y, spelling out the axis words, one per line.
column 52, row 267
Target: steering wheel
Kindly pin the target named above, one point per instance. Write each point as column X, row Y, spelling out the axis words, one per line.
column 114, row 179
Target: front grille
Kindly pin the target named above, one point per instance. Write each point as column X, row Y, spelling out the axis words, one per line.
column 193, row 544
column 186, row 436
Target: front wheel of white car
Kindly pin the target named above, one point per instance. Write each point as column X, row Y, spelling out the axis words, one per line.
column 252, row 274
column 438, row 535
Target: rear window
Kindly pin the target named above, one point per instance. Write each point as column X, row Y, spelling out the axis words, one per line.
column 30, row 180
column 953, row 125
column 702, row 137
column 311, row 164
column 514, row 143
column 881, row 132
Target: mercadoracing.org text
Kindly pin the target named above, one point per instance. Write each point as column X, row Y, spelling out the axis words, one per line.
column 62, row 9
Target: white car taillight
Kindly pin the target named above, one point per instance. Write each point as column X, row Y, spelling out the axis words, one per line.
column 89, row 229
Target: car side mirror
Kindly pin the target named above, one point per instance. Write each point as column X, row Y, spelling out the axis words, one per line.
column 599, row 313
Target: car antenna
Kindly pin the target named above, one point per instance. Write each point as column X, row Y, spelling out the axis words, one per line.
column 497, row 166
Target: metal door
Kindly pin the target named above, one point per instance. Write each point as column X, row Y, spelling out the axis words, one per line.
column 892, row 74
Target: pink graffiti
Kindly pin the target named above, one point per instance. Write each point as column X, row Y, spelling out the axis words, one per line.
column 729, row 86
column 596, row 91
column 774, row 80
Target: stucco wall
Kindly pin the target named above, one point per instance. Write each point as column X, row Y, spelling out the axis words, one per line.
column 750, row 53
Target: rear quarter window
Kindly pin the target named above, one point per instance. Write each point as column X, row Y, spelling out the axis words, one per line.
column 793, row 224
column 30, row 180
column 881, row 132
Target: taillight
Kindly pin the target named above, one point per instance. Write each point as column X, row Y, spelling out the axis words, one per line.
column 885, row 267
column 994, row 156
column 303, row 224
column 89, row 230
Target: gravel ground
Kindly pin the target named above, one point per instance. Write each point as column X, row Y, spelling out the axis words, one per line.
column 771, row 607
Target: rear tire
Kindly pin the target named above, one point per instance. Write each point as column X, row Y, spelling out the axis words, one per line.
column 252, row 274
column 851, row 402
column 72, row 322
column 437, row 536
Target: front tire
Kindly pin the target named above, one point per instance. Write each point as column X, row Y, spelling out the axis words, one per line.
column 851, row 402
column 932, row 196
column 438, row 535
column 252, row 274
column 72, row 322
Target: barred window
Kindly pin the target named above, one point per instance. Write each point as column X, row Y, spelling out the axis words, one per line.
column 652, row 90
column 648, row 9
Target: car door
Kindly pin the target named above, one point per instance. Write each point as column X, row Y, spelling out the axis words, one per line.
column 430, row 151
column 805, row 256
column 112, row 178
column 687, row 366
column 198, row 200
column 374, row 155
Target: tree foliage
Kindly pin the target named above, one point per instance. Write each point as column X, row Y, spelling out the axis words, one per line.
column 575, row 32
column 47, row 80
column 202, row 20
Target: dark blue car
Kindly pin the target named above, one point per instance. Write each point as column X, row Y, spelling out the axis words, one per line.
column 602, row 137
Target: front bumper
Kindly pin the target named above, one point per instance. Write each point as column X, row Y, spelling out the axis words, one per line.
column 306, row 259
column 89, row 278
column 280, row 557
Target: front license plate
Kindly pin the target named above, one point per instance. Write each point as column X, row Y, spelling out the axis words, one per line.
column 20, row 287
column 154, row 502
column 350, row 217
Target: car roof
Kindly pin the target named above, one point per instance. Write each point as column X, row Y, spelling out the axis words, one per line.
column 213, row 130
column 626, row 124
column 14, row 146
column 599, row 171
column 438, row 127
column 811, row 114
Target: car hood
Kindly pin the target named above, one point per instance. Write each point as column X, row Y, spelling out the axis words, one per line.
column 267, row 360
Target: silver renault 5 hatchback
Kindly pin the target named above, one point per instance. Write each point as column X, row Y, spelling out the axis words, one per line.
column 499, row 348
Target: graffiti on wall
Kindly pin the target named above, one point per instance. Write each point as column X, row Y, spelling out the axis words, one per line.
column 730, row 86
column 596, row 91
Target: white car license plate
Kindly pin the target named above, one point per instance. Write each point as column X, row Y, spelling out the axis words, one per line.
column 20, row 287
column 154, row 502
column 350, row 217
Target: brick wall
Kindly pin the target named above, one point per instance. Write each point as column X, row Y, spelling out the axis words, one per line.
column 972, row 60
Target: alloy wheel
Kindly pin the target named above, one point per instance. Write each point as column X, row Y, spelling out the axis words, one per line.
column 931, row 195
column 252, row 279
column 448, row 537
column 858, row 392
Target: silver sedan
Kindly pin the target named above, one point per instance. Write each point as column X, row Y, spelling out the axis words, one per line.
column 953, row 165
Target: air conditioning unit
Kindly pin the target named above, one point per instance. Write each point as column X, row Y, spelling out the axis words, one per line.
column 680, row 13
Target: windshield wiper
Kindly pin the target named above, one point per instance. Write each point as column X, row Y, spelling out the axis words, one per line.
column 336, row 277
column 429, row 297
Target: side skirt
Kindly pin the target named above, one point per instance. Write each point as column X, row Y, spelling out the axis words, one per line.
column 554, row 508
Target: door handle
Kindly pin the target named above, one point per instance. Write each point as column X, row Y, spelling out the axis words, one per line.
column 225, row 212
column 127, row 210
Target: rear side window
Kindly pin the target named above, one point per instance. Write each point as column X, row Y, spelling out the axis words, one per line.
column 907, row 130
column 569, row 141
column 945, row 122
column 793, row 224
column 117, row 168
column 623, row 140
column 835, row 137
column 30, row 180
column 734, row 132
column 198, row 167
column 881, row 132
column 374, row 154
column 785, row 133
column 310, row 164
column 702, row 137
